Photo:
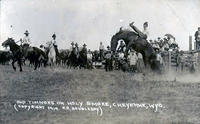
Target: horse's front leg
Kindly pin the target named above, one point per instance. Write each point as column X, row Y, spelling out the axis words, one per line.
column 20, row 64
column 13, row 64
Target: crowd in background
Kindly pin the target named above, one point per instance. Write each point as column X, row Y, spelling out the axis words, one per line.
column 104, row 57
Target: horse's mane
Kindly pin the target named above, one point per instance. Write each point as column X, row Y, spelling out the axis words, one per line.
column 12, row 41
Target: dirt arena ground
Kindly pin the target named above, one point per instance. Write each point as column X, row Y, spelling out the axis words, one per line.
column 180, row 96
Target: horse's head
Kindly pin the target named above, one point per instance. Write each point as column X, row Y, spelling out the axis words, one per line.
column 114, row 43
column 8, row 42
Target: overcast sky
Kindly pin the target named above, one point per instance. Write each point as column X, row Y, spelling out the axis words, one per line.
column 92, row 21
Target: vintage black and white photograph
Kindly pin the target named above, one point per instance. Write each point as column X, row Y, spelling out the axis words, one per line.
column 99, row 61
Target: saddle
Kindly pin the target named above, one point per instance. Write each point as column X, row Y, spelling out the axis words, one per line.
column 26, row 48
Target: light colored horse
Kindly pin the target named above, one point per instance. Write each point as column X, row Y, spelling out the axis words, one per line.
column 51, row 54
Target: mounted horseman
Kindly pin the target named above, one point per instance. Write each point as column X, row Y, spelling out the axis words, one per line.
column 25, row 43
column 77, row 50
column 51, row 50
column 73, row 56
column 33, row 54
column 82, row 58
column 17, row 53
column 56, row 48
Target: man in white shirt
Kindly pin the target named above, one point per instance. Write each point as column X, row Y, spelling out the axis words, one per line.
column 25, row 43
column 26, row 40
column 89, row 59
column 52, row 46
column 52, row 43
column 72, row 46
column 140, row 62
column 89, row 55
column 159, row 61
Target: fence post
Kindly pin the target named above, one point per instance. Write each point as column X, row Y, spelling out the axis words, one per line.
column 169, row 65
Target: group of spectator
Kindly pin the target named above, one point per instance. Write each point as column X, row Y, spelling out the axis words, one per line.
column 134, row 60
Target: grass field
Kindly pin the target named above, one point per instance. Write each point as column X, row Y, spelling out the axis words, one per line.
column 180, row 96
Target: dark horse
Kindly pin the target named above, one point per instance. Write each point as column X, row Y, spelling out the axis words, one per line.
column 16, row 50
column 82, row 59
column 132, row 40
column 35, row 56
column 73, row 58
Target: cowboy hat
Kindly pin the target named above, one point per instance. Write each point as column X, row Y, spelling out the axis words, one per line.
column 84, row 44
column 26, row 32
column 72, row 43
column 54, row 35
column 108, row 47
column 145, row 23
column 156, row 49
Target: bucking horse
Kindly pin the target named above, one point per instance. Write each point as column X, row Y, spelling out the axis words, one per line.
column 132, row 40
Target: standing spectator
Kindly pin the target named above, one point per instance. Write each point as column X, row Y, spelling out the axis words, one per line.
column 108, row 57
column 193, row 64
column 197, row 38
column 120, row 59
column 133, row 60
column 151, row 41
column 156, row 45
column 140, row 63
column 84, row 47
column 158, row 40
column 165, row 46
column 89, row 59
column 101, row 51
column 159, row 61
